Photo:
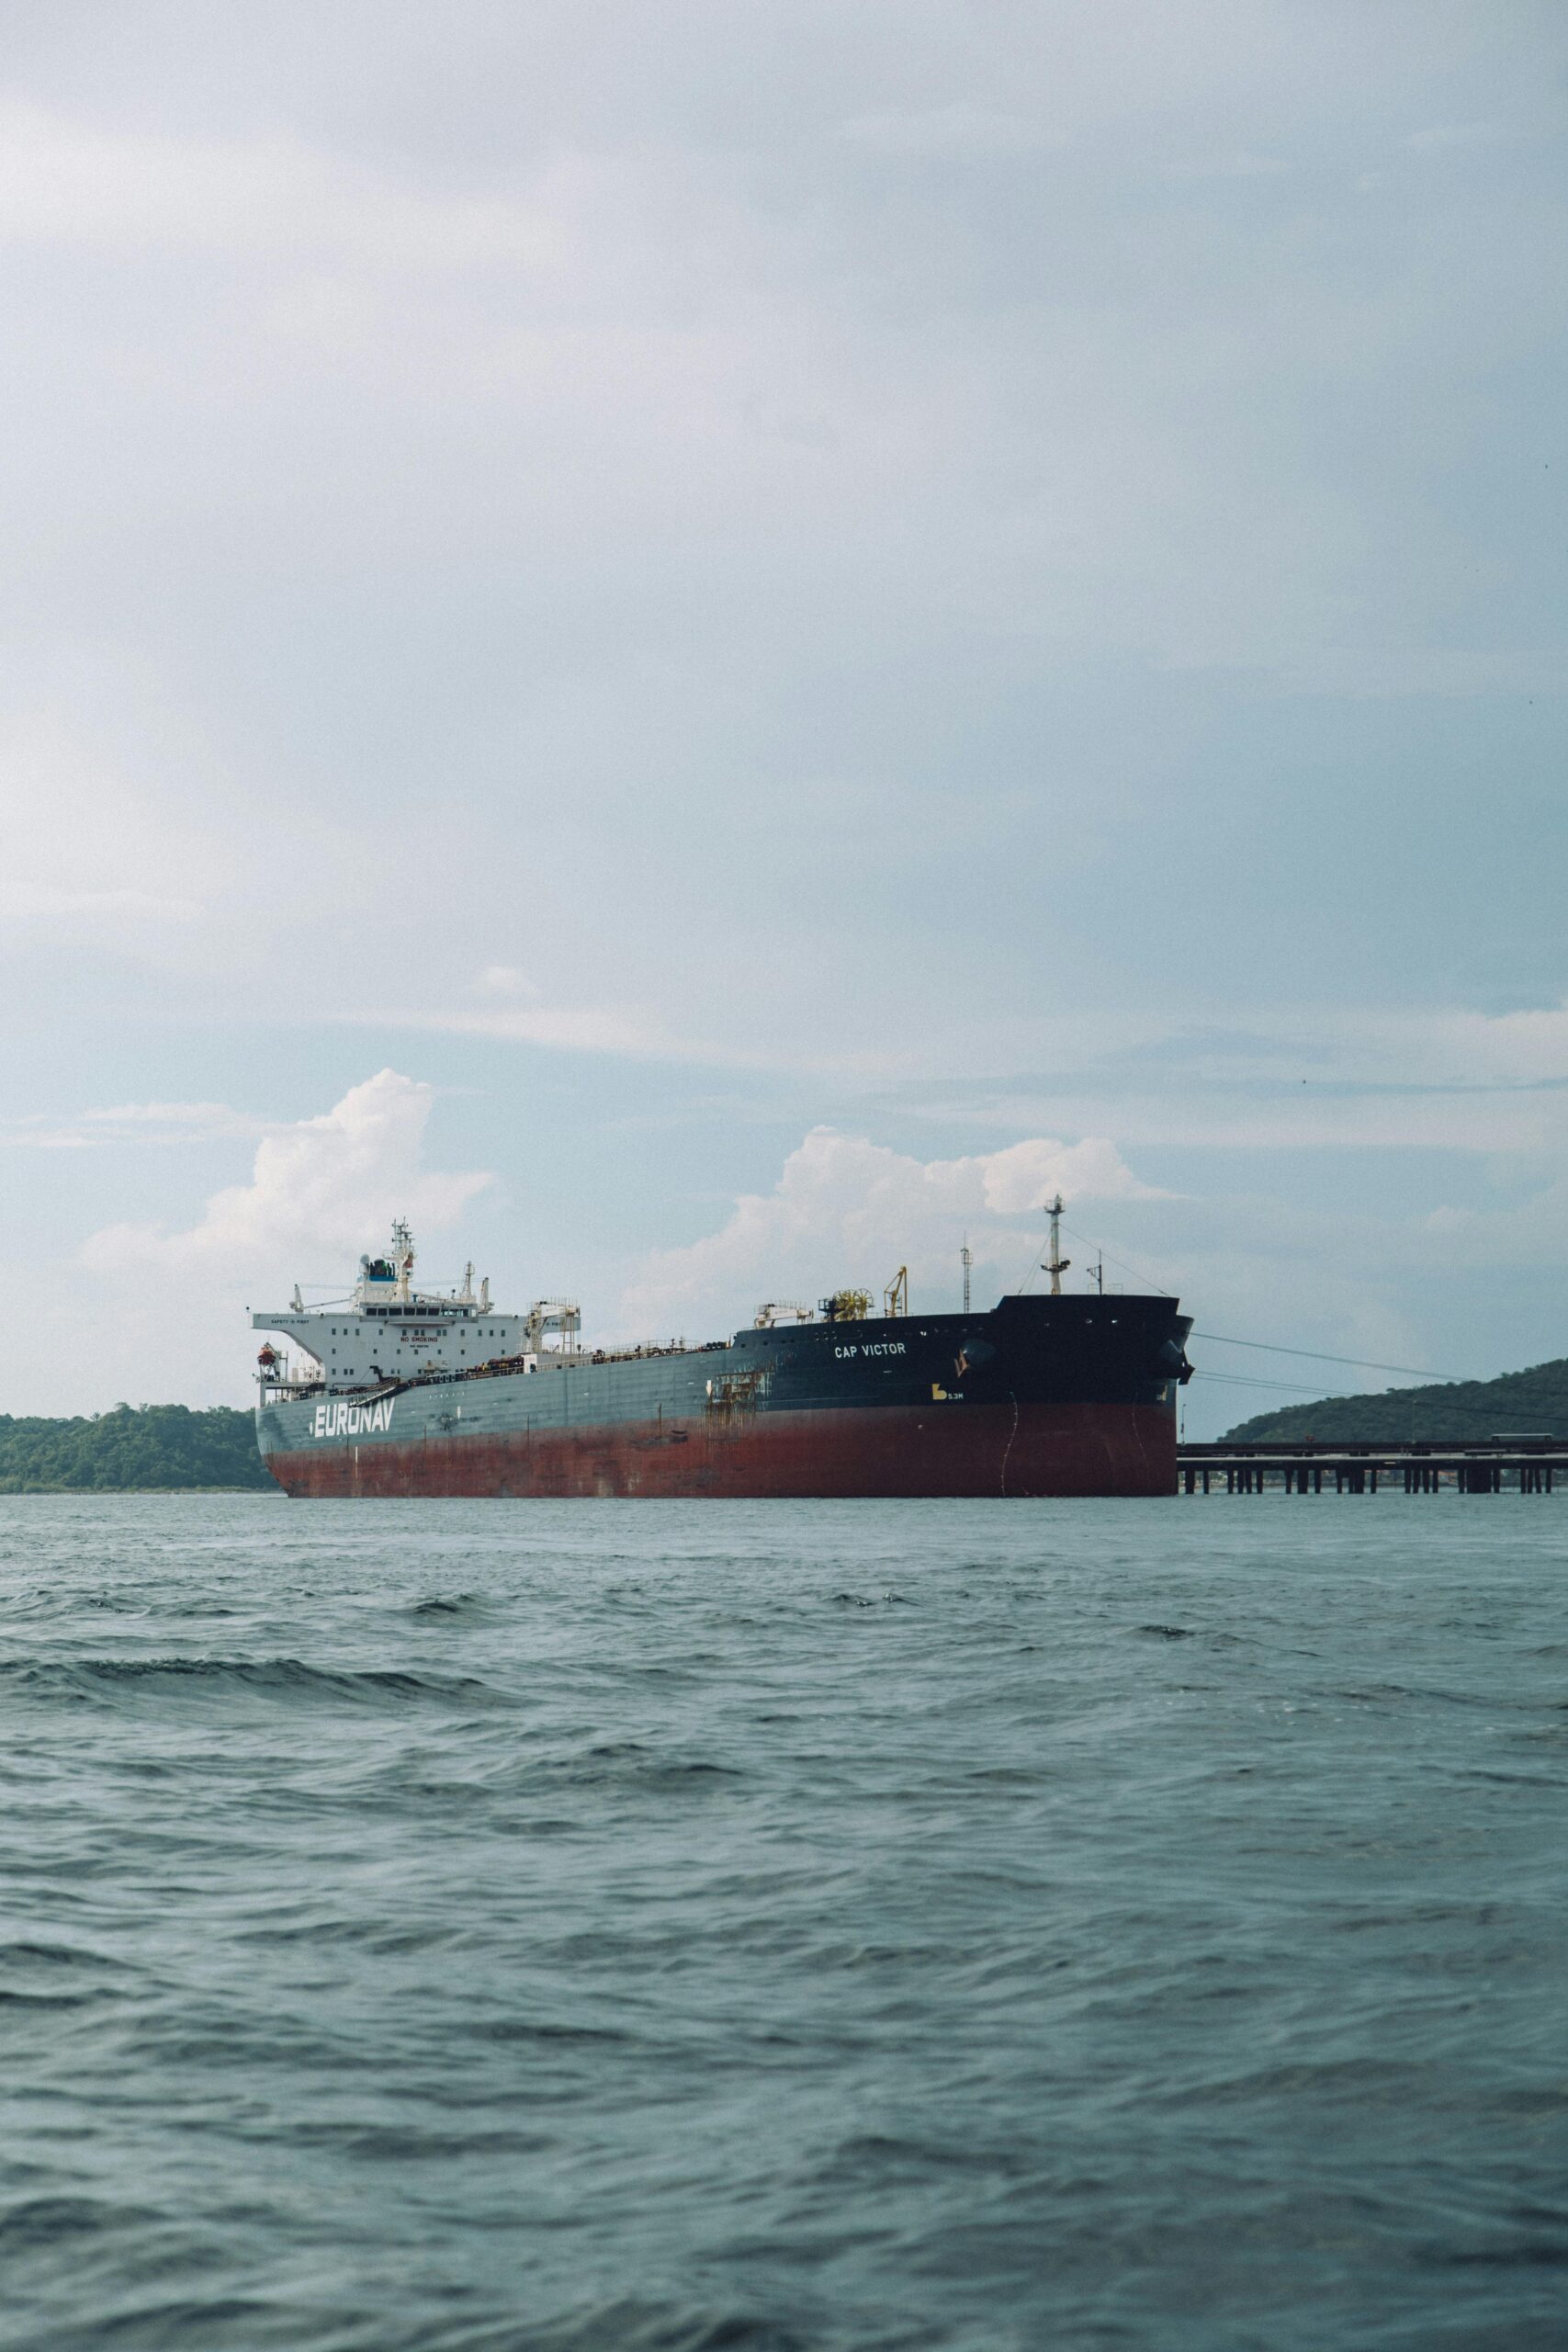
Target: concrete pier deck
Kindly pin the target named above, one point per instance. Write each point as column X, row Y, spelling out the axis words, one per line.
column 1492, row 1465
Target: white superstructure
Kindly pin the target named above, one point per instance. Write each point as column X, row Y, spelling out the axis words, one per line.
column 387, row 1331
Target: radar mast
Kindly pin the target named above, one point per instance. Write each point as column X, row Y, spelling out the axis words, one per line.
column 1056, row 1265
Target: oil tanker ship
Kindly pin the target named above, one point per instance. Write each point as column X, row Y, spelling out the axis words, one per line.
column 399, row 1391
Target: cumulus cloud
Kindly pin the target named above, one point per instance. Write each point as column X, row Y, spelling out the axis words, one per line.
column 847, row 1209
column 323, row 1185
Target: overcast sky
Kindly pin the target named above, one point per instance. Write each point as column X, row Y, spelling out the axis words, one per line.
column 710, row 644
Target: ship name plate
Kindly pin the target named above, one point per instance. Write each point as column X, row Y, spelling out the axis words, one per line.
column 343, row 1420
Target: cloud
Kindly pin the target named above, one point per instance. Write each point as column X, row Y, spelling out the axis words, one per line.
column 88, row 846
column 840, row 558
column 1315, row 1077
column 505, row 980
column 64, row 181
column 636, row 1034
column 1023, row 1176
column 846, row 1209
column 133, row 1123
column 323, row 1185
column 583, row 1029
column 129, row 834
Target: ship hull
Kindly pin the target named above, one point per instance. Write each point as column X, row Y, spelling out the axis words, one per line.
column 883, row 1450
column 1038, row 1397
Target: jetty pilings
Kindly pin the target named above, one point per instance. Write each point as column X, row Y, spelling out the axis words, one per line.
column 1310, row 1467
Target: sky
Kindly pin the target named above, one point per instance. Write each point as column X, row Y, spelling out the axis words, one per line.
column 710, row 646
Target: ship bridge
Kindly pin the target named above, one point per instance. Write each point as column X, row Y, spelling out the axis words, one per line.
column 387, row 1331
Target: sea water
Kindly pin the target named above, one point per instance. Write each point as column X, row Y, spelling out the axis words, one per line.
column 468, row 1926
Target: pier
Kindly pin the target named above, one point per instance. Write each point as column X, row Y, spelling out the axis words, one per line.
column 1492, row 1465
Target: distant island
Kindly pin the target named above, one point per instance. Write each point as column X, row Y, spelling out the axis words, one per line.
column 135, row 1448
column 1535, row 1401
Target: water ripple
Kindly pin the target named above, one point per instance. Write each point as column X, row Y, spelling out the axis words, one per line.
column 463, row 1928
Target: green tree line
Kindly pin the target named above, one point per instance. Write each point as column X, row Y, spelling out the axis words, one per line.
column 133, row 1448
column 1536, row 1399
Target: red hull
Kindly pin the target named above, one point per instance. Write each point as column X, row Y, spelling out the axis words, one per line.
column 874, row 1451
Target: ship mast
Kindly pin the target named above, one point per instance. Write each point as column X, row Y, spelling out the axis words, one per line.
column 1056, row 1265
column 402, row 1257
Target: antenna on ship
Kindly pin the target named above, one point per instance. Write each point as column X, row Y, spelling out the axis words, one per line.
column 1056, row 1265
column 402, row 1254
column 966, row 1259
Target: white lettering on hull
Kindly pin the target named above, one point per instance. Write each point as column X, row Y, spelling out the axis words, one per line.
column 875, row 1347
column 343, row 1420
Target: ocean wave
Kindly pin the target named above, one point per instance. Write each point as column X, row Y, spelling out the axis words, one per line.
column 238, row 2322
column 40, row 2221
column 109, row 1679
column 479, row 1947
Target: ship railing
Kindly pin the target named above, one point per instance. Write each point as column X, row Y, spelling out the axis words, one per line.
column 645, row 1351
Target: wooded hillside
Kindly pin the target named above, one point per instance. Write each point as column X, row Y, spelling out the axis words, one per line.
column 140, row 1447
column 1536, row 1399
